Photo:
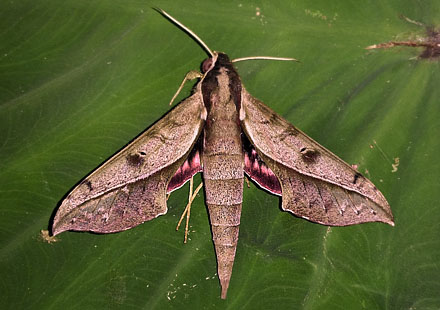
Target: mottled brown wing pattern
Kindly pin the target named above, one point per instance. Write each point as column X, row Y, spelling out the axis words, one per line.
column 323, row 202
column 130, row 187
column 315, row 183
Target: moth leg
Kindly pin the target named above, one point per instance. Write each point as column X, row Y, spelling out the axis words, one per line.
column 247, row 182
column 187, row 210
column 191, row 75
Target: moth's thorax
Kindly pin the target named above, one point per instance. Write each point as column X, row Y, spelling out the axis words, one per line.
column 222, row 131
column 221, row 85
column 221, row 100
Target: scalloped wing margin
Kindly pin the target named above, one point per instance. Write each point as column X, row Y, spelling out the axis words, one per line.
column 315, row 183
column 130, row 188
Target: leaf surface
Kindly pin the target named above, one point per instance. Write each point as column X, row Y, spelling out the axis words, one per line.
column 81, row 79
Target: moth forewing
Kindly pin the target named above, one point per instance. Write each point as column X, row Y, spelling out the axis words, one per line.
column 316, row 184
column 130, row 188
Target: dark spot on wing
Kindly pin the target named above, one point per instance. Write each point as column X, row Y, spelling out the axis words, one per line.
column 135, row 160
column 309, row 155
column 88, row 184
column 356, row 177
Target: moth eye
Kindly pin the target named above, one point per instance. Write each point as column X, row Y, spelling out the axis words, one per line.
column 206, row 65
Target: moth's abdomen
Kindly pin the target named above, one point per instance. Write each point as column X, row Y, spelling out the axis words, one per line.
column 223, row 179
column 223, row 198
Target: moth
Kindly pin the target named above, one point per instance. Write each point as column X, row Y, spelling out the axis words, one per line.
column 224, row 133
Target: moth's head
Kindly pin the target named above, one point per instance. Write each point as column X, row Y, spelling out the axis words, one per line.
column 221, row 59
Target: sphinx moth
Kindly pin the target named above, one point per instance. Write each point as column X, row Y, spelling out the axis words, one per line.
column 224, row 133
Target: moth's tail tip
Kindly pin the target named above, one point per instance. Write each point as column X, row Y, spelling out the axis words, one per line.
column 224, row 293
column 225, row 285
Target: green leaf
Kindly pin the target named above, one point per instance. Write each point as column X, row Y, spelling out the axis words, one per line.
column 80, row 79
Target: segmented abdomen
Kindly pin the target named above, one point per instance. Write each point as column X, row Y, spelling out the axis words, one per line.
column 223, row 180
column 224, row 198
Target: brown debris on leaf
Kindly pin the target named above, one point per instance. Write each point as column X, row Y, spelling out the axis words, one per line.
column 430, row 44
column 46, row 237
column 396, row 164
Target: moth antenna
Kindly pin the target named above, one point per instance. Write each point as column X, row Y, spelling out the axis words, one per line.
column 264, row 57
column 189, row 31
